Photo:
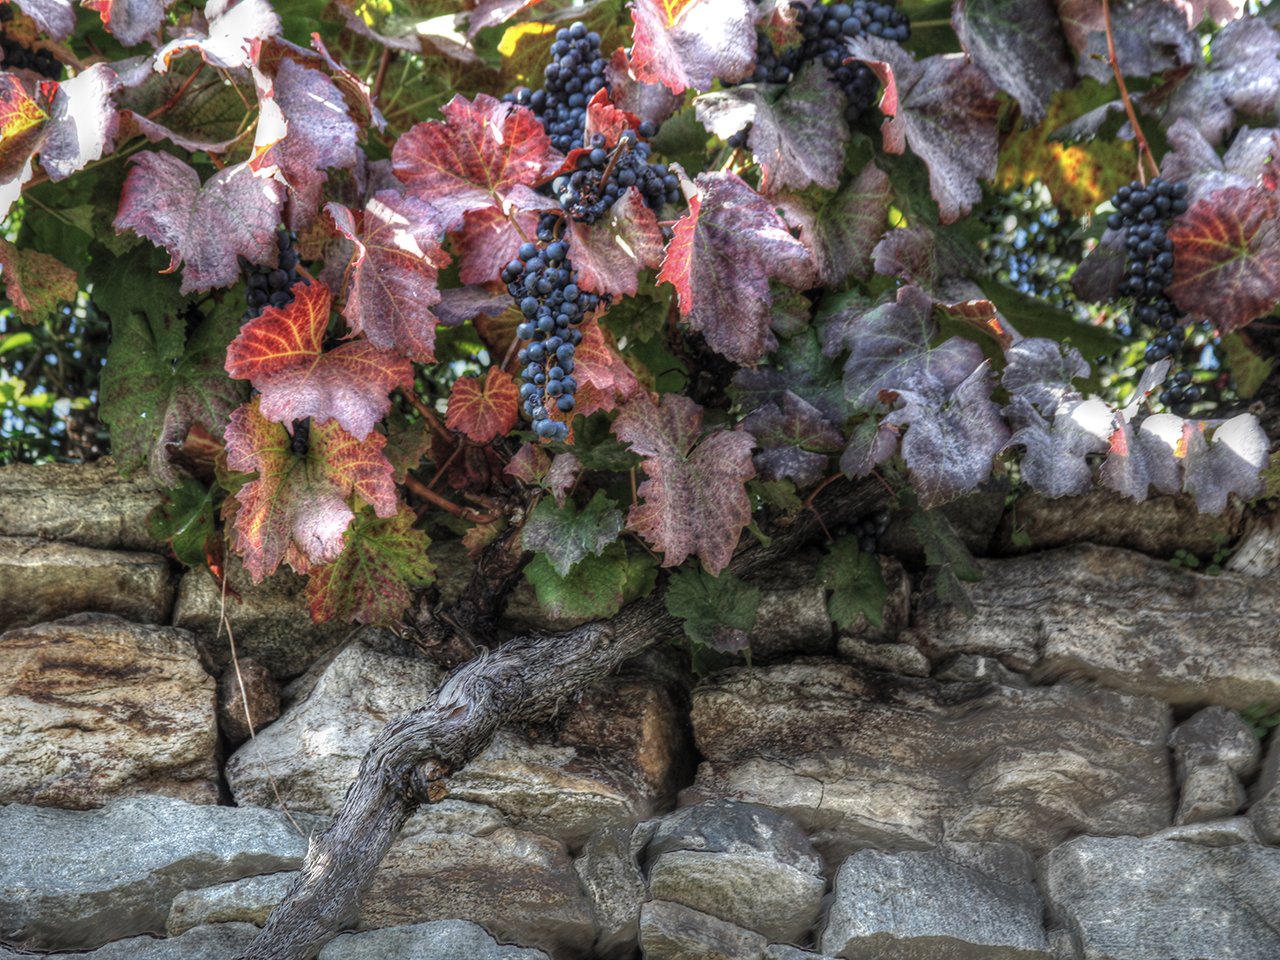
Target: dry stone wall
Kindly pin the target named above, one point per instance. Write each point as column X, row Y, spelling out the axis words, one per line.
column 1064, row 776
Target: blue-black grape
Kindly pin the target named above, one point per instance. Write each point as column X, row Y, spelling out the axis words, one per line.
column 268, row 285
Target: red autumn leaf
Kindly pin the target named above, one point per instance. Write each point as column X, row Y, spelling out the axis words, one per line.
column 369, row 582
column 530, row 464
column 648, row 101
column 280, row 353
column 692, row 43
column 479, row 156
column 603, row 376
column 840, row 232
column 610, row 254
column 298, row 505
column 720, row 260
column 946, row 113
column 205, row 226
column 489, row 240
column 57, row 18
column 603, row 117
column 23, row 123
column 908, row 254
column 695, row 500
column 483, row 410
column 224, row 34
column 35, row 282
column 394, row 268
column 1227, row 257
column 130, row 21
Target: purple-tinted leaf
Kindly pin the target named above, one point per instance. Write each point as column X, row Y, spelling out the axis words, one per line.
column 870, row 444
column 1040, row 371
column 1055, row 463
column 1145, row 457
column 1150, row 37
column 648, row 101
column 949, row 446
column 1197, row 164
column 839, row 232
column 57, row 18
column 908, row 253
column 230, row 35
column 85, row 122
column 801, row 369
column 562, row 475
column 131, row 21
column 796, row 441
column 1231, row 463
column 1099, row 274
column 692, row 43
column 1151, row 379
column 461, row 304
column 566, row 536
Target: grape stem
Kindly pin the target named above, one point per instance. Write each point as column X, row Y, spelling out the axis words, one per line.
column 427, row 413
column 172, row 101
column 464, row 513
column 382, row 73
column 1144, row 151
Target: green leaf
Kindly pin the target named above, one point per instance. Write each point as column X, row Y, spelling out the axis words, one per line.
column 719, row 612
column 186, row 521
column 855, row 582
column 597, row 587
column 643, row 315
column 777, row 493
column 566, row 536
column 1248, row 369
column 952, row 590
column 942, row 545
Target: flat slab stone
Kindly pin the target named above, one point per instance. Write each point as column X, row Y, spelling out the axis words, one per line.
column 1123, row 898
column 672, row 931
column 79, row 879
column 94, row 707
column 438, row 940
column 42, row 580
column 861, row 758
column 1130, row 622
column 217, row 942
column 249, row 900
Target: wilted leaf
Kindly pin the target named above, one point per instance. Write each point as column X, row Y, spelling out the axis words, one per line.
column 718, row 611
column 484, row 410
column 691, row 43
column 566, row 536
column 856, row 584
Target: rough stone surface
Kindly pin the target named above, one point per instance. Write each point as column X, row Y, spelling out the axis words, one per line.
column 438, row 940
column 609, row 871
column 746, row 864
column 1210, row 792
column 520, row 886
column 792, row 617
column 242, row 901
column 890, row 657
column 1264, row 809
column 915, row 904
column 1128, row 621
column 1215, row 735
column 254, row 685
column 1129, row 899
column 87, row 504
column 860, row 759
column 270, row 621
column 144, row 852
column 785, row 951
column 968, row 668
column 43, row 580
column 216, row 942
column 93, row 707
column 1212, row 833
column 672, row 931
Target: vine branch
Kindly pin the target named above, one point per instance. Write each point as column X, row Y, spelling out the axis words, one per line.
column 1144, row 151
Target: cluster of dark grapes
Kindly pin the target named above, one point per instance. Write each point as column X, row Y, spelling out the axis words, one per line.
column 18, row 57
column 1033, row 245
column 573, row 76
column 267, row 286
column 870, row 529
column 603, row 176
column 1143, row 213
column 542, row 281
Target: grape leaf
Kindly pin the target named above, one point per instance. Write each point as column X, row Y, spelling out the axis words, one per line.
column 695, row 498
column 297, row 508
column 57, row 18
column 839, row 232
column 611, row 254
column 489, row 240
column 130, row 21
column 1020, row 45
column 369, row 581
column 796, row 440
column 691, row 43
column 719, row 260
column 203, row 114
column 648, row 101
column 797, row 133
column 1196, row 163
column 946, row 113
column 85, row 122
column 908, row 254
column 490, row 13
column 595, row 589
column 856, row 584
column 949, row 446
column 871, row 443
column 942, row 545
column 562, row 476
column 566, row 536
column 281, row 353
column 227, row 38
column 205, row 226
column 1055, row 464
column 1231, row 463
column 1227, row 248
column 153, row 388
column 35, row 283
column 801, row 369
column 718, row 611
column 604, row 117
column 481, row 155
column 394, row 272
column 1150, row 37
column 484, row 411
column 530, row 464
column 186, row 521
column 889, row 350
column 1040, row 371
column 471, row 302
column 24, row 122
column 1145, row 456
column 603, row 376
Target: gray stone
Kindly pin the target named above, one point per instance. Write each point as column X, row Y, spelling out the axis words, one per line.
column 862, row 759
column 609, row 871
column 250, row 691
column 889, row 657
column 1212, row 833
column 918, row 904
column 1264, row 810
column 745, row 864
column 1215, row 735
column 44, row 580
column 87, row 504
column 217, row 942
column 438, row 940
column 1257, row 552
column 94, row 707
column 245, row 901
column 792, row 617
column 520, row 886
column 672, row 931
column 968, row 668
column 785, row 951
column 1129, row 899
column 1210, row 792
column 269, row 620
column 78, row 879
column 1128, row 621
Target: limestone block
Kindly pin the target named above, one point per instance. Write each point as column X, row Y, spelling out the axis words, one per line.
column 672, row 931
column 889, row 657
column 250, row 900
column 42, row 580
column 860, row 758
column 94, row 707
column 438, row 940
column 78, row 879
column 253, row 685
column 1210, row 792
column 217, row 942
column 1128, row 621
column 910, row 904
column 1129, row 899
column 609, row 871
column 1212, row 833
column 968, row 668
column 1215, row 735
column 1264, row 794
